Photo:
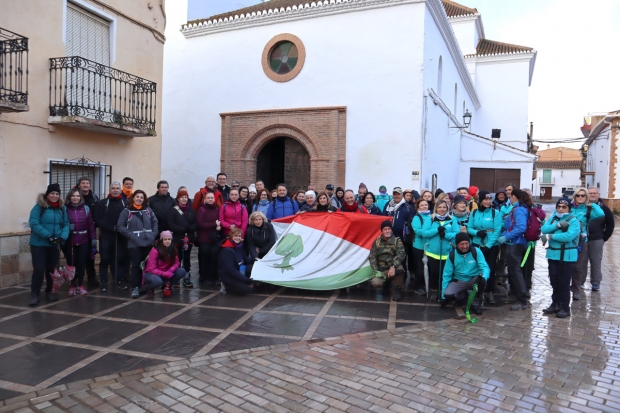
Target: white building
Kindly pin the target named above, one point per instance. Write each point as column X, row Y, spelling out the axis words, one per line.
column 557, row 169
column 343, row 91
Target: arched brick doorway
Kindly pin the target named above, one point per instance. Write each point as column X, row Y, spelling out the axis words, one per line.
column 284, row 159
column 320, row 131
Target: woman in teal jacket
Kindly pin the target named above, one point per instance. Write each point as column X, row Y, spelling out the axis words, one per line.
column 584, row 212
column 485, row 227
column 49, row 225
column 562, row 231
column 439, row 235
column 420, row 222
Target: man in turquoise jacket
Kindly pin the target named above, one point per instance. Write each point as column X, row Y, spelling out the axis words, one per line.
column 462, row 272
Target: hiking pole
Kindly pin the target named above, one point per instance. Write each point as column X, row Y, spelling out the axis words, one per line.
column 115, row 257
column 440, row 269
column 425, row 262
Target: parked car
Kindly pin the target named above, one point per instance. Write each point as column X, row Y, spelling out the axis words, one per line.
column 568, row 193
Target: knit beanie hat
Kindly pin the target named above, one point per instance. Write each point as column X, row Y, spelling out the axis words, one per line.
column 383, row 187
column 181, row 193
column 165, row 234
column 363, row 185
column 460, row 237
column 564, row 201
column 472, row 190
column 52, row 188
column 386, row 223
column 252, row 188
column 483, row 194
column 459, row 198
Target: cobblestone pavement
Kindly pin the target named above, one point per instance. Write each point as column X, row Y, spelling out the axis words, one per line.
column 508, row 361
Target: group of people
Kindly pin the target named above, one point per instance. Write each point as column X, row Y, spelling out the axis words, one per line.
column 146, row 242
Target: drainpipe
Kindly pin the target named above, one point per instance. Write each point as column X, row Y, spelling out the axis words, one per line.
column 423, row 140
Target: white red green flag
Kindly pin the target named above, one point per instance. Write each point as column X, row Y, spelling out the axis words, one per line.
column 319, row 251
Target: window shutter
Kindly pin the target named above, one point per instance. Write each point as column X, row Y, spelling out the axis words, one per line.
column 87, row 36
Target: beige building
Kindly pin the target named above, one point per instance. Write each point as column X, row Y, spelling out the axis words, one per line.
column 80, row 85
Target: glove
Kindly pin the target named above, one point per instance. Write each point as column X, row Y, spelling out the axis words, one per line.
column 443, row 304
column 482, row 234
column 72, row 227
column 544, row 239
column 52, row 240
column 93, row 244
column 562, row 225
column 442, row 232
column 502, row 240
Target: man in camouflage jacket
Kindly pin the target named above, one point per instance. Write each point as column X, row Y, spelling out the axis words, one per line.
column 386, row 259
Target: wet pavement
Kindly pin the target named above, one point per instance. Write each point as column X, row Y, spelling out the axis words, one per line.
column 287, row 350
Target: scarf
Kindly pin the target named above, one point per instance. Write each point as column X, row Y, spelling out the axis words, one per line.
column 263, row 202
column 312, row 204
column 138, row 207
column 441, row 217
column 54, row 204
column 392, row 206
column 384, row 192
column 282, row 198
column 425, row 212
column 481, row 208
column 353, row 207
column 115, row 197
column 127, row 192
column 184, row 208
column 459, row 214
column 323, row 208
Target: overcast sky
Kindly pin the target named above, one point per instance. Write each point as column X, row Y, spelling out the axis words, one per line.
column 578, row 60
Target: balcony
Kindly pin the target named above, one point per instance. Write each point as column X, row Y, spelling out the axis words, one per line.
column 13, row 72
column 88, row 95
column 547, row 181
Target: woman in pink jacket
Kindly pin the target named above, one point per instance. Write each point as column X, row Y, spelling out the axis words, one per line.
column 162, row 267
column 233, row 214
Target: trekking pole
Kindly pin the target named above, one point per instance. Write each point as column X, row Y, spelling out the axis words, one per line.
column 115, row 257
column 440, row 269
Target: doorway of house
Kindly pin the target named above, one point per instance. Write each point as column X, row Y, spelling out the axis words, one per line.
column 491, row 179
column 286, row 160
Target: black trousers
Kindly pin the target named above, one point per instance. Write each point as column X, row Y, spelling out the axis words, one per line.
column 136, row 256
column 76, row 256
column 528, row 269
column 490, row 256
column 113, row 255
column 237, row 287
column 44, row 261
column 207, row 261
column 185, row 256
column 434, row 272
column 560, row 275
column 90, row 268
column 418, row 265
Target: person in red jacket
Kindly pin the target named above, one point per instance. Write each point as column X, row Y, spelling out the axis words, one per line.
column 162, row 267
column 233, row 214
column 210, row 187
column 82, row 237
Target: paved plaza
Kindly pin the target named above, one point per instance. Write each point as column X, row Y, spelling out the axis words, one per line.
column 299, row 351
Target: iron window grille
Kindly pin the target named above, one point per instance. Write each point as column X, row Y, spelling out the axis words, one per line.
column 67, row 172
column 13, row 67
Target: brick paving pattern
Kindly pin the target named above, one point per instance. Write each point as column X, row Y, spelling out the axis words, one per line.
column 280, row 354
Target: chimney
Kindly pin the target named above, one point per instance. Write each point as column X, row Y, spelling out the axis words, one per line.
column 548, row 146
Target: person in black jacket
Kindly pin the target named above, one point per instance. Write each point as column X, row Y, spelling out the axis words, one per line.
column 161, row 203
column 259, row 237
column 112, row 245
column 599, row 231
column 182, row 222
column 232, row 265
column 90, row 200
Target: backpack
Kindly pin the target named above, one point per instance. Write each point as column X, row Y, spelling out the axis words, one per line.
column 534, row 223
column 472, row 249
column 408, row 231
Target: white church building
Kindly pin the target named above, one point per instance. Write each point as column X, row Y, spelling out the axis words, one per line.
column 343, row 92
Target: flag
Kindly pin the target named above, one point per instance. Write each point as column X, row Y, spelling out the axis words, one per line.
column 320, row 251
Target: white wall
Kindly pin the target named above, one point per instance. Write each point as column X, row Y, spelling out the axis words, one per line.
column 560, row 178
column 503, row 90
column 599, row 151
column 348, row 64
column 466, row 33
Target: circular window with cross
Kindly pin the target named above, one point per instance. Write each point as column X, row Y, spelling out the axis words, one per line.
column 283, row 57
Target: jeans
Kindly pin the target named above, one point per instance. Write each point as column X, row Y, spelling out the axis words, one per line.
column 579, row 273
column 113, row 254
column 514, row 256
column 595, row 255
column 136, row 256
column 560, row 275
column 152, row 281
column 44, row 262
column 184, row 256
column 76, row 257
column 490, row 256
column 207, row 261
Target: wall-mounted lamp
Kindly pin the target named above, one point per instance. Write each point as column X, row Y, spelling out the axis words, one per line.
column 466, row 121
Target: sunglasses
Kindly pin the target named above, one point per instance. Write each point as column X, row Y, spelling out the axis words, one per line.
column 489, row 196
column 562, row 207
column 235, row 186
column 580, row 195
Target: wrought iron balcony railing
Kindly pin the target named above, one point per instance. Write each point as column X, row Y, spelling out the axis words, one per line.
column 13, row 70
column 81, row 87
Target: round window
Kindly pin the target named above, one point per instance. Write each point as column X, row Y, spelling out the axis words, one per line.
column 283, row 58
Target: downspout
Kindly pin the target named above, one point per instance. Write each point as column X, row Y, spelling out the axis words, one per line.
column 423, row 140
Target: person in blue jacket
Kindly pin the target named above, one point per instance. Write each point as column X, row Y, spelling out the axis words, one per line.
column 49, row 224
column 515, row 225
column 562, row 231
column 485, row 226
column 282, row 206
column 439, row 234
column 463, row 270
column 584, row 212
column 420, row 222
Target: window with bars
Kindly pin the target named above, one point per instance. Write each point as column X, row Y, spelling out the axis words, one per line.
column 67, row 172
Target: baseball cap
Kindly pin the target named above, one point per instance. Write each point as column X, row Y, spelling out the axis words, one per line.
column 398, row 189
column 329, row 186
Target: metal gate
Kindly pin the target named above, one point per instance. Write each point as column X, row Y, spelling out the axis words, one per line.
column 67, row 172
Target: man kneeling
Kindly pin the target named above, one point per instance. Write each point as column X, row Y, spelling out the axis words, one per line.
column 465, row 267
column 386, row 258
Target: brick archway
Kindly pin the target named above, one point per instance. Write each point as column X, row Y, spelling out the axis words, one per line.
column 322, row 131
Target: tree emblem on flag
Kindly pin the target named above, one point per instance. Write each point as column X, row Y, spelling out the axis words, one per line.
column 289, row 247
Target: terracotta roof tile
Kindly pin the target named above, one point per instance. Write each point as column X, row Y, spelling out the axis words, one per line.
column 492, row 48
column 452, row 9
column 558, row 164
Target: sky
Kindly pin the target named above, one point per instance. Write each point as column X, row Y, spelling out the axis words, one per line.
column 577, row 65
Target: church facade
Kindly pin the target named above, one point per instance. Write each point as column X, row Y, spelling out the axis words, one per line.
column 335, row 91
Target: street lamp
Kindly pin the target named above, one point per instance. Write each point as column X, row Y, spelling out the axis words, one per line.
column 466, row 121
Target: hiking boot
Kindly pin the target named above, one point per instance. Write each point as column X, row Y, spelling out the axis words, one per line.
column 420, row 291
column 576, row 296
column 51, row 296
column 520, row 306
column 476, row 308
column 81, row 290
column 135, row 293
column 398, row 295
column 510, row 299
column 71, row 291
column 552, row 309
column 563, row 314
column 490, row 298
column 433, row 296
column 34, row 300
column 167, row 290
column 596, row 287
column 104, row 288
column 528, row 295
column 187, row 283
column 150, row 293
column 222, row 289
